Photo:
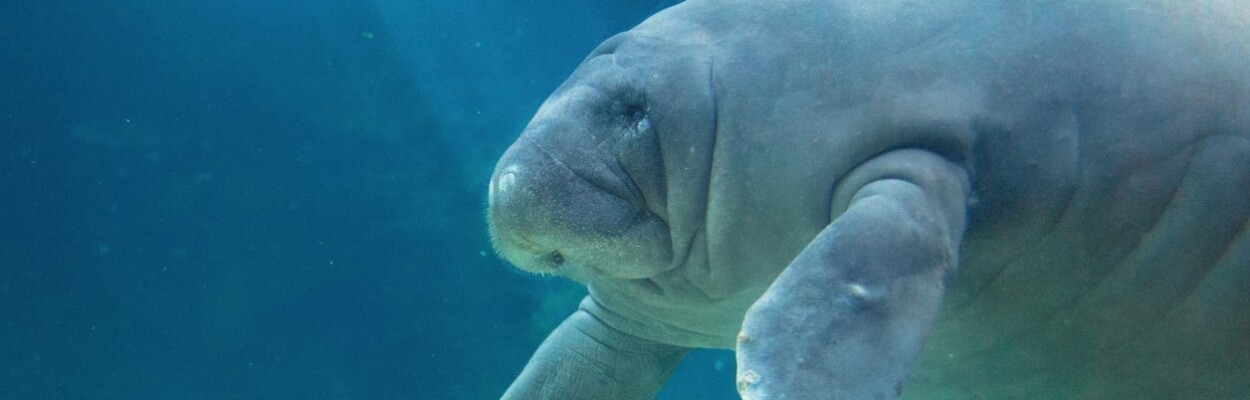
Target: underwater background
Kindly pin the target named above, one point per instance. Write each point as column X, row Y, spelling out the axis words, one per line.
column 224, row 199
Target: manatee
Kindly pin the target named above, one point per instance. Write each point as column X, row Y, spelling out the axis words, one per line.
column 871, row 199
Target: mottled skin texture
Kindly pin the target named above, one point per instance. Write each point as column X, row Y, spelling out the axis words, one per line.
column 977, row 199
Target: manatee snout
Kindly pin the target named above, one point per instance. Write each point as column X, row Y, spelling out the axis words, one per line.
column 546, row 216
column 523, row 207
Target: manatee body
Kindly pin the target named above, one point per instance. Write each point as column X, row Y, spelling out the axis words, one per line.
column 964, row 199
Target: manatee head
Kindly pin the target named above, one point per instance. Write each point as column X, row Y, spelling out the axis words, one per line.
column 584, row 192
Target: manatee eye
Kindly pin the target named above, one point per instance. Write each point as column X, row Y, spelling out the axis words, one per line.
column 643, row 123
column 637, row 115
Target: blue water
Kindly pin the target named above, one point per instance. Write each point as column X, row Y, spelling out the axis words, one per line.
column 276, row 200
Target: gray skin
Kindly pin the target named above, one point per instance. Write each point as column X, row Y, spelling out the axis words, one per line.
column 980, row 199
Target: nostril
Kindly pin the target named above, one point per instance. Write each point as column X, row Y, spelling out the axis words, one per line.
column 502, row 184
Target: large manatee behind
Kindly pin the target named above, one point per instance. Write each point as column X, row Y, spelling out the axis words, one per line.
column 955, row 199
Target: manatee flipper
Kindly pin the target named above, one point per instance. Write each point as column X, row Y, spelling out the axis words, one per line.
column 584, row 359
column 849, row 316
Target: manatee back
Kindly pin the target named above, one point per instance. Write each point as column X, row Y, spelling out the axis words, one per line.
column 1124, row 269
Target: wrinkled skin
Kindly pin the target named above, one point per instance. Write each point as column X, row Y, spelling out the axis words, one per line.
column 945, row 200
